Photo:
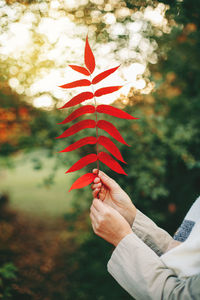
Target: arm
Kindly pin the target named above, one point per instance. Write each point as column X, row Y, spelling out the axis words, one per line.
column 134, row 265
column 112, row 194
column 143, row 275
column 152, row 235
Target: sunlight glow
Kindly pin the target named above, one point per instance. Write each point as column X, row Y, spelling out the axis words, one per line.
column 10, row 42
column 43, row 101
column 38, row 41
column 155, row 16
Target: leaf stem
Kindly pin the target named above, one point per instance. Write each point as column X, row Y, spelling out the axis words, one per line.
column 97, row 134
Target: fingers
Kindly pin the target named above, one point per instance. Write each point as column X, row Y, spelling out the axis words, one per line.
column 97, row 180
column 95, row 193
column 93, row 217
column 96, row 183
column 96, row 186
column 95, row 171
column 93, row 210
column 98, row 205
column 109, row 182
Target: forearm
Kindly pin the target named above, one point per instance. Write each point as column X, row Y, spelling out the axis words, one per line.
column 152, row 235
column 143, row 275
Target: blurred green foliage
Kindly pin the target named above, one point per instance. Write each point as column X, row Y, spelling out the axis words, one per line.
column 7, row 274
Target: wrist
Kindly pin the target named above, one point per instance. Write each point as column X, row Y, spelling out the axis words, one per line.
column 121, row 236
column 130, row 214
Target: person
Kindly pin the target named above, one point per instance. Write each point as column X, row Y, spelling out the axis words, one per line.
column 139, row 243
column 184, row 259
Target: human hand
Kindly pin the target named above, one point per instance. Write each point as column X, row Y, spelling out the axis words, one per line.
column 108, row 223
column 112, row 194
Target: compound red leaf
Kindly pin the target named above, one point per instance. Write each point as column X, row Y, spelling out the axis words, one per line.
column 80, row 143
column 112, row 130
column 110, row 162
column 79, row 69
column 110, row 146
column 78, row 99
column 84, row 161
column 83, row 181
column 89, row 57
column 77, row 83
column 113, row 111
column 77, row 127
column 103, row 75
column 107, row 90
column 86, row 109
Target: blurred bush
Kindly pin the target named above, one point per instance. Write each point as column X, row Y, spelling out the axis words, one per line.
column 7, row 274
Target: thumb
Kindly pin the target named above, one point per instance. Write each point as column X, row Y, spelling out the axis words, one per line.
column 106, row 180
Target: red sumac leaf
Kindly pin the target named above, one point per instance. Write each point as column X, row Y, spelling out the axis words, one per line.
column 86, row 109
column 112, row 130
column 78, row 99
column 113, row 111
column 80, row 143
column 89, row 57
column 110, row 162
column 111, row 147
column 83, row 181
column 79, row 69
column 77, row 83
column 107, row 90
column 77, row 127
column 84, row 161
column 103, row 75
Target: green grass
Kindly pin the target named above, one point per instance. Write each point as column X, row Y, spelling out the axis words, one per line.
column 28, row 189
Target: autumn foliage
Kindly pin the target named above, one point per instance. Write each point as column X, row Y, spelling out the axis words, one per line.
column 14, row 122
column 104, row 125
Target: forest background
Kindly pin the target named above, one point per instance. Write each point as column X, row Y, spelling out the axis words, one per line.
column 47, row 247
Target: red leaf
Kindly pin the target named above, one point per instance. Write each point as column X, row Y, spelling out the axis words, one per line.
column 84, row 161
column 86, row 109
column 103, row 75
column 89, row 57
column 107, row 90
column 112, row 130
column 113, row 111
column 77, row 127
column 110, row 162
column 77, row 83
column 79, row 69
column 82, row 181
column 110, row 146
column 80, row 143
column 78, row 99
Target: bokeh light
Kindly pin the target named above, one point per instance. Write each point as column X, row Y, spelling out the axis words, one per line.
column 39, row 41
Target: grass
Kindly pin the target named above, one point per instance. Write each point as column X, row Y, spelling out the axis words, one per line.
column 29, row 188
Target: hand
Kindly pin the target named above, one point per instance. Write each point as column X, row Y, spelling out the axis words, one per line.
column 111, row 193
column 108, row 223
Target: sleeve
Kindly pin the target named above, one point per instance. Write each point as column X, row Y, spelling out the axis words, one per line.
column 156, row 238
column 143, row 275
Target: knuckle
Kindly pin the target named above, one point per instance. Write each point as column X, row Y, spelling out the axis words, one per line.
column 95, row 201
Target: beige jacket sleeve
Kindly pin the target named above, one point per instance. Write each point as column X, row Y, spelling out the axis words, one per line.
column 139, row 270
column 156, row 238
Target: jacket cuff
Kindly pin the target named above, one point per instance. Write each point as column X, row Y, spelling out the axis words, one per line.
column 156, row 238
